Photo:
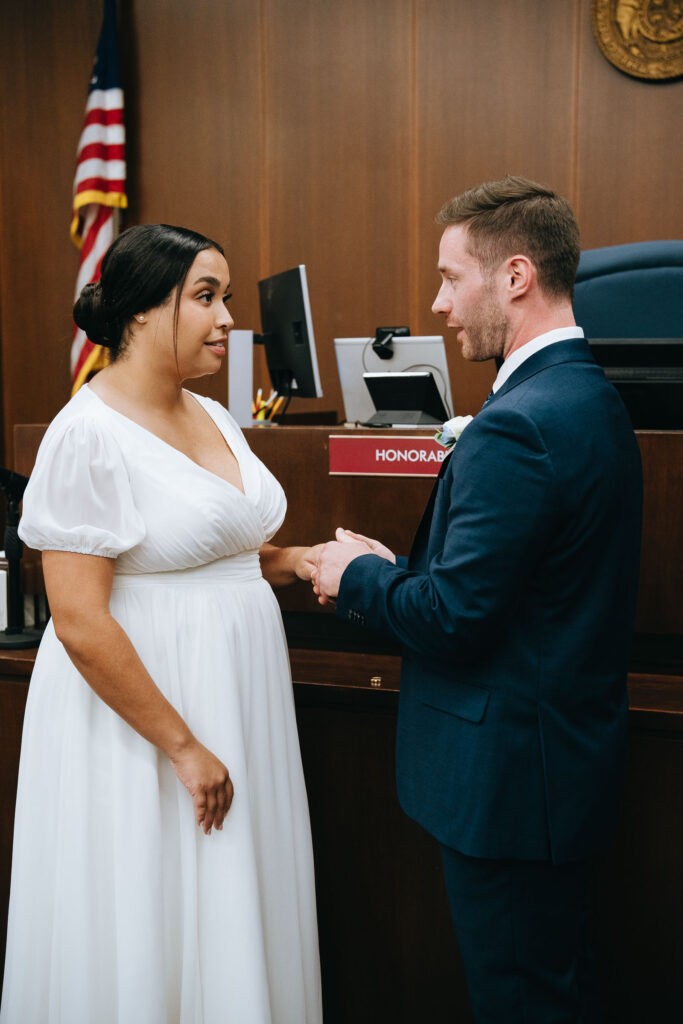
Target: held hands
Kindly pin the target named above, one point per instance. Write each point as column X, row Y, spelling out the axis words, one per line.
column 307, row 561
column 281, row 566
column 335, row 556
column 208, row 782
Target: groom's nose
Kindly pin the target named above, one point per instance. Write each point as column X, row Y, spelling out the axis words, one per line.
column 440, row 306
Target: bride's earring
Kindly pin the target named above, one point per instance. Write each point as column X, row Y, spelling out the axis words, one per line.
column 141, row 319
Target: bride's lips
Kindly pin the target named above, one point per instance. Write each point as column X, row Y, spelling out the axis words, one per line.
column 217, row 346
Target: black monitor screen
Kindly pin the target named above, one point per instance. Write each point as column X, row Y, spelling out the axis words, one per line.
column 288, row 334
column 405, row 398
column 648, row 374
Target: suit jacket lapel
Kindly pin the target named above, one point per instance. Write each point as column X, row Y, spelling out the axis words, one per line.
column 425, row 523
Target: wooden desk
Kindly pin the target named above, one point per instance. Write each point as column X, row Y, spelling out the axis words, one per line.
column 387, row 946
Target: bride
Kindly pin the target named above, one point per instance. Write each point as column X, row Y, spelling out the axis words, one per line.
column 162, row 864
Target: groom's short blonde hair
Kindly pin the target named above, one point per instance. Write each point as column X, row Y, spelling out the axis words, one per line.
column 518, row 216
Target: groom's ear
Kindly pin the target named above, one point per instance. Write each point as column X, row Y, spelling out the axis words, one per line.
column 519, row 275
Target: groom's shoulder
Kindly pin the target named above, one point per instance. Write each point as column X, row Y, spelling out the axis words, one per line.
column 504, row 430
column 560, row 390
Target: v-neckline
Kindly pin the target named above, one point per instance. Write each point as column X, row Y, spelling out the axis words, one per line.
column 241, row 491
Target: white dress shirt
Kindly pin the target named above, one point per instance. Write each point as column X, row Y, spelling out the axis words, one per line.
column 535, row 345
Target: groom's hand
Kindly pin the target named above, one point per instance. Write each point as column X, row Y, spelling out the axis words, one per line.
column 375, row 546
column 336, row 556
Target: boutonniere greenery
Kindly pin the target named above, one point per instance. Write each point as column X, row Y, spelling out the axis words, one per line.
column 451, row 430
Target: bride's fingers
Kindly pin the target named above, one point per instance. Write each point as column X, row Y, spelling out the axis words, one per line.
column 200, row 808
column 211, row 807
column 229, row 794
column 221, row 807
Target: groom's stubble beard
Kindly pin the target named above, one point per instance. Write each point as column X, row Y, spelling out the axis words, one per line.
column 488, row 329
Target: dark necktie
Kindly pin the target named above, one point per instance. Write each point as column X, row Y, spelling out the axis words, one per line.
column 488, row 399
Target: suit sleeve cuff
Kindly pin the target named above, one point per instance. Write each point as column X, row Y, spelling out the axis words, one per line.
column 355, row 589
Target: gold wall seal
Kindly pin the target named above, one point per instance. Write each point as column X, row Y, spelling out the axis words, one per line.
column 644, row 38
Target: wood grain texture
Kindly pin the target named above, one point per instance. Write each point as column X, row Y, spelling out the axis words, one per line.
column 494, row 97
column 46, row 53
column 390, row 509
column 325, row 132
column 351, row 669
column 629, row 152
column 660, row 593
column 195, row 144
column 338, row 96
column 387, row 946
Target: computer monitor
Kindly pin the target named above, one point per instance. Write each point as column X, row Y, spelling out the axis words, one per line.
column 648, row 374
column 356, row 357
column 288, row 334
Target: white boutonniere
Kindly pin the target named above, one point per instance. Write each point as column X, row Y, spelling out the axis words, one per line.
column 451, row 430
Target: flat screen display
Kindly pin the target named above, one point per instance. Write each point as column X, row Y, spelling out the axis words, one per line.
column 288, row 334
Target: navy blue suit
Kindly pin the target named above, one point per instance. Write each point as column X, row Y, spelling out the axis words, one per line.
column 515, row 610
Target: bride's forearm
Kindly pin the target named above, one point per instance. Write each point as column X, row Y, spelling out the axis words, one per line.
column 78, row 589
column 107, row 660
column 281, row 566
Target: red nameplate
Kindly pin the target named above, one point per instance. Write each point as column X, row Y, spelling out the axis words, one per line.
column 371, row 455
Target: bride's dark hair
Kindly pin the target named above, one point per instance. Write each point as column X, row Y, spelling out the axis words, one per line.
column 139, row 271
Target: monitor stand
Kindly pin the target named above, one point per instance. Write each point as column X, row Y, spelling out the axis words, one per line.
column 404, row 417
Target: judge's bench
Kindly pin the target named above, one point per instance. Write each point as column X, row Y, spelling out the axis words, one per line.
column 387, row 948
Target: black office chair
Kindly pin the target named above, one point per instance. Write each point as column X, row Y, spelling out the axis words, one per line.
column 631, row 291
column 629, row 301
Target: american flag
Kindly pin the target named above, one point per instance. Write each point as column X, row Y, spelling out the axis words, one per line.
column 100, row 182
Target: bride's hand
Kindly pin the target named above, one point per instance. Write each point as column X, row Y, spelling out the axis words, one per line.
column 308, row 561
column 208, row 782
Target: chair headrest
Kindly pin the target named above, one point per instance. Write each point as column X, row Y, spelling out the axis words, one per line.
column 634, row 256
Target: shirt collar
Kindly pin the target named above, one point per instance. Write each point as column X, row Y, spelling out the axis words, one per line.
column 530, row 348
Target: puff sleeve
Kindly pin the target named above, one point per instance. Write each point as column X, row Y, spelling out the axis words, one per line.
column 79, row 496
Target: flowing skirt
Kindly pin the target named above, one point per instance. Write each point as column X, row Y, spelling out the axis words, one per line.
column 122, row 911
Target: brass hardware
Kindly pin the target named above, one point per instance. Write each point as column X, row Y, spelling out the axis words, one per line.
column 375, row 681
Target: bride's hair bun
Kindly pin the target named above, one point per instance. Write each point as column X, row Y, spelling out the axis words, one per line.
column 92, row 315
column 140, row 270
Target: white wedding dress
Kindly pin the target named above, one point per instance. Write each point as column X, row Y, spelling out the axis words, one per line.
column 122, row 911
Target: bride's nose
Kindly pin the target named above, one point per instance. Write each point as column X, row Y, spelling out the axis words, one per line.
column 223, row 318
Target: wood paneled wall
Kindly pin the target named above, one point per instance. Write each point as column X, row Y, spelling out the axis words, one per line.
column 326, row 132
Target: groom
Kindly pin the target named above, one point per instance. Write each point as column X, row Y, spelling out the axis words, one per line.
column 515, row 611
